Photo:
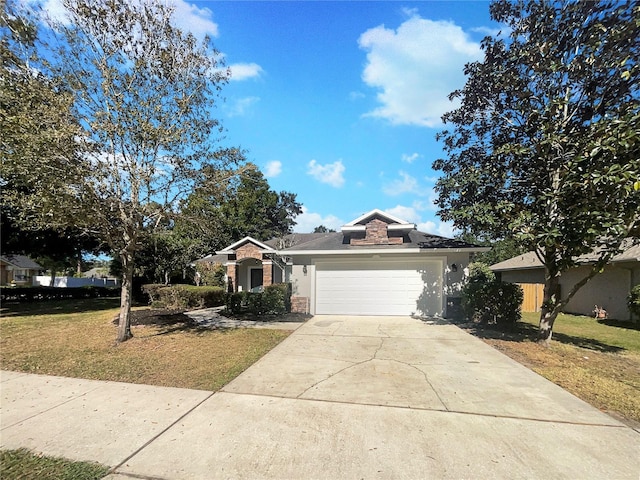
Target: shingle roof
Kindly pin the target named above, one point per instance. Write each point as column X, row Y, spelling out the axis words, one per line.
column 294, row 239
column 630, row 253
column 416, row 239
column 20, row 261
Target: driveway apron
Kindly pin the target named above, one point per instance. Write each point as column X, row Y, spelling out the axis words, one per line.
column 387, row 397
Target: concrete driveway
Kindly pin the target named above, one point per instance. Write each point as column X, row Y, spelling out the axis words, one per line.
column 359, row 397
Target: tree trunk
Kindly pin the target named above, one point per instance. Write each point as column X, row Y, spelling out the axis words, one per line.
column 548, row 312
column 124, row 324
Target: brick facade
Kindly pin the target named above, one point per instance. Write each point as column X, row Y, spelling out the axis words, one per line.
column 300, row 305
column 248, row 250
column 376, row 233
column 267, row 273
column 232, row 278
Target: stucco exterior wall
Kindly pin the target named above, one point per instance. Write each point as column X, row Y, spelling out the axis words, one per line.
column 453, row 277
column 301, row 282
column 608, row 289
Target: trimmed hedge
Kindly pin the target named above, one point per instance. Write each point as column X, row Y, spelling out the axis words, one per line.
column 28, row 294
column 273, row 300
column 184, row 296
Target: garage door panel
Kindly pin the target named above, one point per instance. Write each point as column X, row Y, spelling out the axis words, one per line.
column 382, row 288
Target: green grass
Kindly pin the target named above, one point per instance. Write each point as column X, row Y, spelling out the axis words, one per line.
column 76, row 338
column 24, row 465
column 588, row 332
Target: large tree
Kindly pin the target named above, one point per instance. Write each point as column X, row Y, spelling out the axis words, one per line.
column 37, row 142
column 143, row 94
column 246, row 206
column 545, row 145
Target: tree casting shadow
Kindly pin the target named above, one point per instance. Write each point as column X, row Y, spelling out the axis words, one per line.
column 522, row 332
column 169, row 321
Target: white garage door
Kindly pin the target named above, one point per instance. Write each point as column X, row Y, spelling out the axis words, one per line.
column 379, row 288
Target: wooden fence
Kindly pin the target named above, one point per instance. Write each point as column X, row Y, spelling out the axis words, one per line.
column 533, row 295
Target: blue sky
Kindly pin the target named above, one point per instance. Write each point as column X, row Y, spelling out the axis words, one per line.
column 339, row 102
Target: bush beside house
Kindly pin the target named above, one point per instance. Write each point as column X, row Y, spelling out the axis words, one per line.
column 489, row 301
column 275, row 299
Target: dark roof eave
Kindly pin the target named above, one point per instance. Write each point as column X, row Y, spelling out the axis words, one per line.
column 373, row 249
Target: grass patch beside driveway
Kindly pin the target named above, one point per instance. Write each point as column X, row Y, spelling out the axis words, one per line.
column 76, row 338
column 598, row 361
column 24, row 465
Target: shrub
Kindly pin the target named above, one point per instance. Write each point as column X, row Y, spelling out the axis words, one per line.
column 489, row 301
column 633, row 300
column 184, row 296
column 152, row 291
column 276, row 299
column 273, row 300
column 234, row 302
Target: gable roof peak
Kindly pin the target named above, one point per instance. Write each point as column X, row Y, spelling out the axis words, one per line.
column 390, row 219
column 231, row 248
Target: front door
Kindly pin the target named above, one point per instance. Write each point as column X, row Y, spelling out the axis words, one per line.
column 256, row 278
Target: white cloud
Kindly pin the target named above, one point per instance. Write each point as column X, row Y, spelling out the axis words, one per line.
column 307, row 221
column 410, row 158
column 331, row 173
column 444, row 229
column 241, row 106
column 405, row 184
column 190, row 18
column 415, row 68
column 244, row 71
column 412, row 214
column 408, row 214
column 273, row 169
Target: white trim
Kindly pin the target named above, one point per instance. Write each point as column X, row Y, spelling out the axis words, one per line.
column 394, row 227
column 376, row 212
column 231, row 248
column 354, row 228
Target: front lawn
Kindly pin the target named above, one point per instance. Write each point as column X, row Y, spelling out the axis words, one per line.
column 598, row 361
column 76, row 338
column 24, row 465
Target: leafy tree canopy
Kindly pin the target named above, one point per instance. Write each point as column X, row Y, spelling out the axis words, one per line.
column 136, row 95
column 544, row 145
column 246, row 207
column 322, row 229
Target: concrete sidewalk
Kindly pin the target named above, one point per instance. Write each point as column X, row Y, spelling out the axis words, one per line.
column 342, row 397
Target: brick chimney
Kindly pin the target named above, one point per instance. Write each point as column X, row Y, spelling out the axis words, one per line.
column 376, row 233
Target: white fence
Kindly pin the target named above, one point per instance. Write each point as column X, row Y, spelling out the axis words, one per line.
column 68, row 282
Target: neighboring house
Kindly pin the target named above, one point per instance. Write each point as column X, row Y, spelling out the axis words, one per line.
column 17, row 270
column 608, row 290
column 376, row 265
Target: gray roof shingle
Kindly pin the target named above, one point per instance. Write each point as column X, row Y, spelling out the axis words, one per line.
column 630, row 253
column 20, row 261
